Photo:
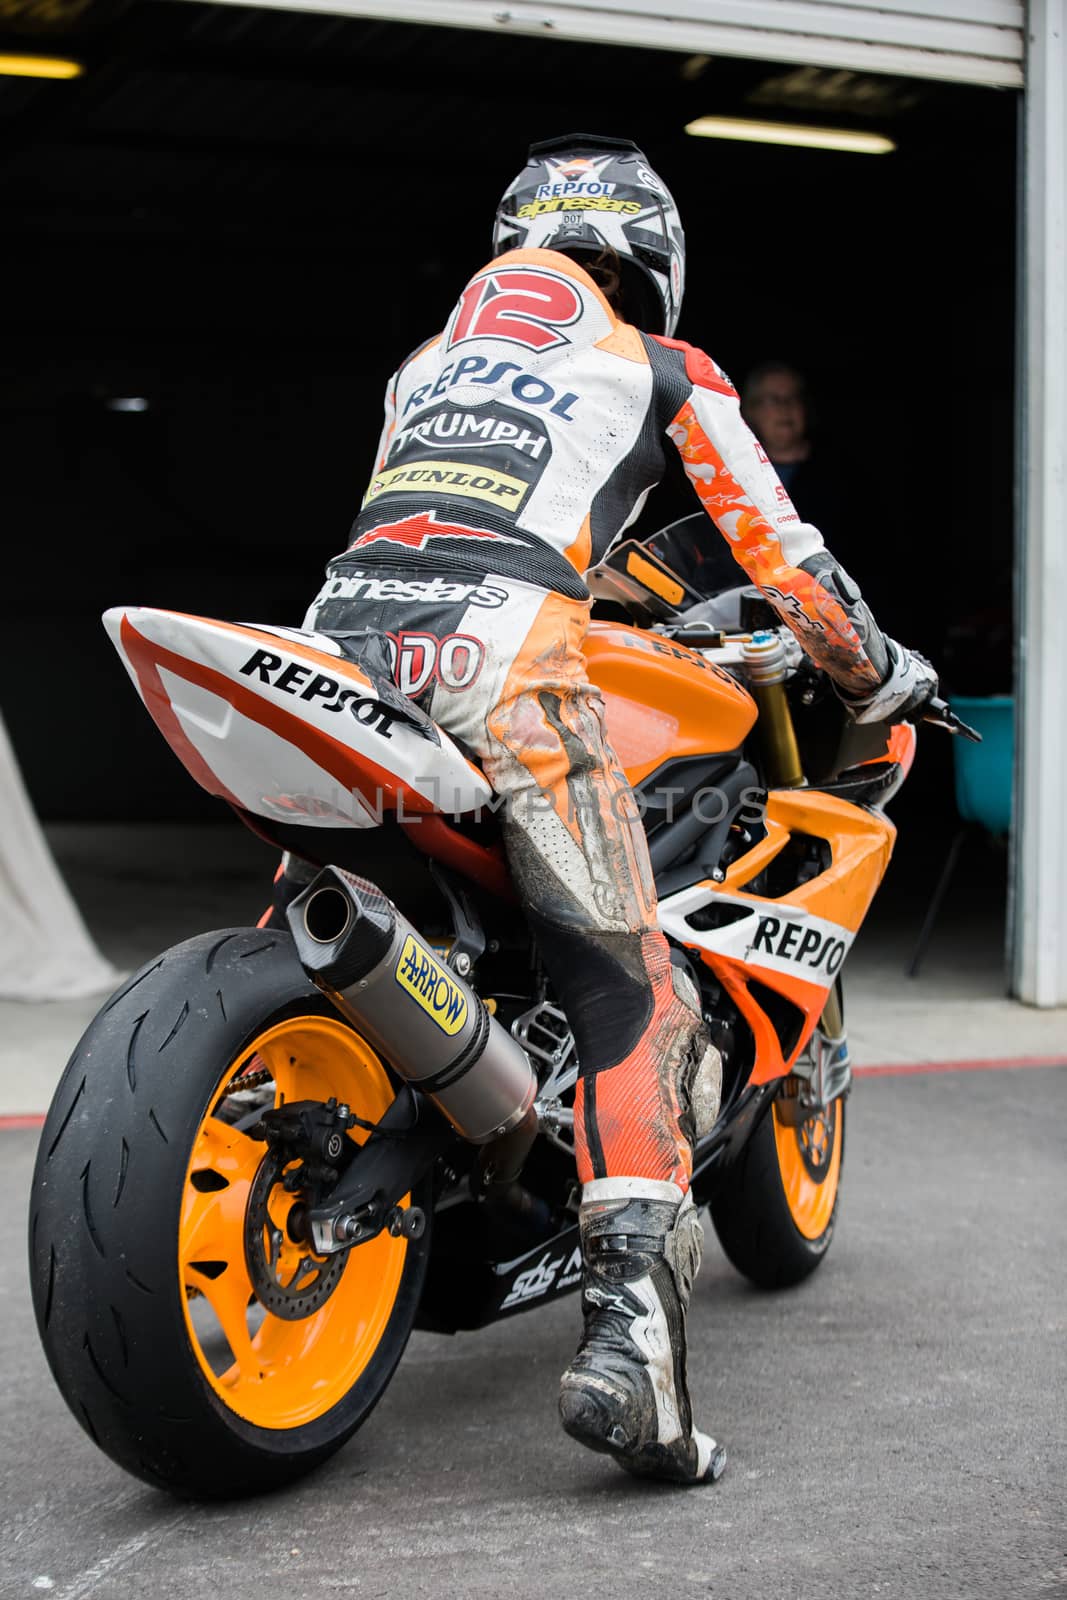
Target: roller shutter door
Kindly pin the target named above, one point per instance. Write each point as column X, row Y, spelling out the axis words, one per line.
column 967, row 41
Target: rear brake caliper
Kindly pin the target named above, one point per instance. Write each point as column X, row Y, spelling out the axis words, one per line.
column 309, row 1152
column 312, row 1134
column 307, row 1149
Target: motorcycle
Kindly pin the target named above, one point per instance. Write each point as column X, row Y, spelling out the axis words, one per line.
column 277, row 1150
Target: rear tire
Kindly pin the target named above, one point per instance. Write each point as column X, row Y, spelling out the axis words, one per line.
column 775, row 1207
column 139, row 1182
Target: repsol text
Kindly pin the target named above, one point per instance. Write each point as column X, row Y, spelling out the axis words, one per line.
column 527, row 387
column 793, row 941
column 303, row 681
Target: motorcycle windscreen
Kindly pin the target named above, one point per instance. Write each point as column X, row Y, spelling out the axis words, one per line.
column 280, row 723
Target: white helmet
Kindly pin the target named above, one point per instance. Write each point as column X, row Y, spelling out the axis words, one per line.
column 582, row 194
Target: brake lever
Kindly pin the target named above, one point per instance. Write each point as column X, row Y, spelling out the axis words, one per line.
column 939, row 714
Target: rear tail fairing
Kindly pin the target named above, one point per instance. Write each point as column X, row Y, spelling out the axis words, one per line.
column 776, row 944
column 281, row 724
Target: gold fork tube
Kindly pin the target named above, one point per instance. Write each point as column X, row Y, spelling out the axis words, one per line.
column 778, row 737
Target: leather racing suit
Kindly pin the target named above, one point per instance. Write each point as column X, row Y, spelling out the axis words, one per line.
column 516, row 447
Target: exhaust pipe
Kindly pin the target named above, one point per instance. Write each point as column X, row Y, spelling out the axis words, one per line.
column 431, row 1026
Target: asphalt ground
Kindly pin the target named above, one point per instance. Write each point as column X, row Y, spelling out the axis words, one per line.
column 896, row 1426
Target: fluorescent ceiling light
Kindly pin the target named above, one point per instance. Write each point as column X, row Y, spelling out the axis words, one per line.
column 868, row 144
column 39, row 67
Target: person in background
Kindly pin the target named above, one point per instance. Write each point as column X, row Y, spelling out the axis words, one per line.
column 775, row 404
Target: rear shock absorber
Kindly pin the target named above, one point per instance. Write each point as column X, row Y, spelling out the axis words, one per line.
column 766, row 666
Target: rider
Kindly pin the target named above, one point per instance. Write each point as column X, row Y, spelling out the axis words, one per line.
column 517, row 446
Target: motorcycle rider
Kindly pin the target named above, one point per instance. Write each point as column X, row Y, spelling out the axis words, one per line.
column 517, row 446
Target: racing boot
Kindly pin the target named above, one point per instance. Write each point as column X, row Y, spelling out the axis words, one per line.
column 626, row 1392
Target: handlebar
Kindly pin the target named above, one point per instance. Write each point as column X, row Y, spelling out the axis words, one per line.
column 701, row 635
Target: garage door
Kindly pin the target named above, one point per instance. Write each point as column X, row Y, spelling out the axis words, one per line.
column 969, row 41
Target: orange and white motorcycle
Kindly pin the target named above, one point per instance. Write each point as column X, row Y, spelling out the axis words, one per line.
column 275, row 1152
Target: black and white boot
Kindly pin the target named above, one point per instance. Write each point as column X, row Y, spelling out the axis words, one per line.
column 626, row 1390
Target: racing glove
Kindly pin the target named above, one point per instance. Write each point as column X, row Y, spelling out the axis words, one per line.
column 910, row 682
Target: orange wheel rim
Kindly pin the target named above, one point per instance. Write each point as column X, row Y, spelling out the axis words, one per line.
column 809, row 1161
column 274, row 1372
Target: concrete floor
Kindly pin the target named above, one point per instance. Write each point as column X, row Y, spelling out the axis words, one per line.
column 896, row 1426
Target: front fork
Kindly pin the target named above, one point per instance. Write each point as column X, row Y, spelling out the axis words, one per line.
column 801, row 1095
column 807, row 1094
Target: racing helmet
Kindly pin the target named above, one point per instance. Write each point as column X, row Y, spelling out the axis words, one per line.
column 582, row 194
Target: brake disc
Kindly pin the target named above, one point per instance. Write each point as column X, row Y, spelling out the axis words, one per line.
column 816, row 1139
column 289, row 1280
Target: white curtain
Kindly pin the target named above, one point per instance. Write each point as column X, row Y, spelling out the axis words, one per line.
column 46, row 952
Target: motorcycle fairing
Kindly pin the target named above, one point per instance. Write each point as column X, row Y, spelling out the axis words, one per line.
column 280, row 723
column 795, row 944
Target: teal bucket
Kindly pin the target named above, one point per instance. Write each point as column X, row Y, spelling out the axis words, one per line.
column 984, row 771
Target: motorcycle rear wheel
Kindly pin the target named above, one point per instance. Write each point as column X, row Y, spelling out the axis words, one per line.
column 775, row 1207
column 143, row 1245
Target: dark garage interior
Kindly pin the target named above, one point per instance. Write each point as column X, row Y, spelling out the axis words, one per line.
column 223, row 237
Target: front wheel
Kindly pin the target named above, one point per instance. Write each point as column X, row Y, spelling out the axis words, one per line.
column 775, row 1208
column 194, row 1341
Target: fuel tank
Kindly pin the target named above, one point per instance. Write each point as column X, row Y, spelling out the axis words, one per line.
column 663, row 700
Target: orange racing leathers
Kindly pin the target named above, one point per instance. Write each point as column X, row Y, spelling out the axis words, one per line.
column 516, row 448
